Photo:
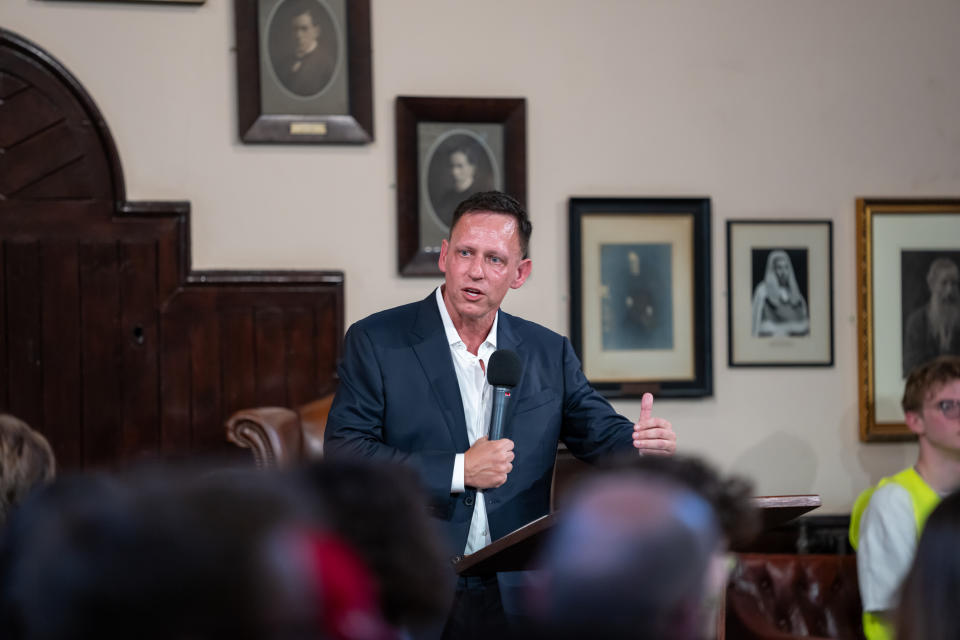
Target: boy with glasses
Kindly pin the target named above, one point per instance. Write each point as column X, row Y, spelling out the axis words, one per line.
column 887, row 519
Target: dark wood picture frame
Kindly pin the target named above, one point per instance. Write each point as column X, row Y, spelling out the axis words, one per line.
column 508, row 115
column 808, row 244
column 890, row 233
column 354, row 126
column 672, row 238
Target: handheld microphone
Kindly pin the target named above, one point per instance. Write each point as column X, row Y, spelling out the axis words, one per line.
column 503, row 374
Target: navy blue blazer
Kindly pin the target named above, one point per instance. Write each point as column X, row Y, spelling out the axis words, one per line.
column 399, row 400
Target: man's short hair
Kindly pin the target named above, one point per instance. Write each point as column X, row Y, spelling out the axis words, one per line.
column 308, row 7
column 468, row 151
column 925, row 379
column 937, row 267
column 26, row 460
column 497, row 202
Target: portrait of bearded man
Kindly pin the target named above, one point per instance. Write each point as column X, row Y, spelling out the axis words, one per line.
column 934, row 329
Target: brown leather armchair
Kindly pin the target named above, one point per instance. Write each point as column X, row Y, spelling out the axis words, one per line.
column 281, row 437
column 781, row 596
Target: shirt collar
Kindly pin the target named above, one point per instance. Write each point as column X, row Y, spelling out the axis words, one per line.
column 453, row 337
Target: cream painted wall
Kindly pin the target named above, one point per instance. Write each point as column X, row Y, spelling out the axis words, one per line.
column 773, row 108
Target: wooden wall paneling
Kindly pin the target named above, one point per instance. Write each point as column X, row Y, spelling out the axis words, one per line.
column 4, row 375
column 102, row 378
column 97, row 163
column 330, row 332
column 301, row 356
column 238, row 360
column 175, row 383
column 271, row 357
column 139, row 340
column 206, row 430
column 60, row 294
column 24, row 364
column 109, row 343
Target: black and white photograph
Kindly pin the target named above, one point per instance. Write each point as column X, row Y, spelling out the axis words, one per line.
column 304, row 71
column 930, row 308
column 459, row 160
column 305, row 46
column 779, row 292
column 908, row 301
column 640, row 295
column 637, row 299
column 447, row 150
column 780, row 296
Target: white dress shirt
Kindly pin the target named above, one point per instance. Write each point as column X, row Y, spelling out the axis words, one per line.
column 477, row 396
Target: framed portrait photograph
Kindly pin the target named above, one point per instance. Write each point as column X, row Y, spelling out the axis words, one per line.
column 908, row 301
column 640, row 316
column 304, row 71
column 447, row 150
column 780, row 293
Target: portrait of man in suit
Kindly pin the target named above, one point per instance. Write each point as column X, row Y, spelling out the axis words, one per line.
column 303, row 47
column 461, row 165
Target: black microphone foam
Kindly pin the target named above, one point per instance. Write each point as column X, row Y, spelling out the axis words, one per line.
column 504, row 368
column 503, row 374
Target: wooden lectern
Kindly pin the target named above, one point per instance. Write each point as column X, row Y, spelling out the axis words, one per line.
column 516, row 550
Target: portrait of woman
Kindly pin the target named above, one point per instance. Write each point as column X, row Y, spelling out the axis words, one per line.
column 779, row 303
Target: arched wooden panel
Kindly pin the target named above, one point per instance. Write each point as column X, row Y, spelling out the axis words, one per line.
column 109, row 344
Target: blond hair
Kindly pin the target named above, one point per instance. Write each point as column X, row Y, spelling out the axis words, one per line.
column 26, row 460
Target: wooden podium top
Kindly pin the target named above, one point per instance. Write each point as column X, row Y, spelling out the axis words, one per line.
column 515, row 550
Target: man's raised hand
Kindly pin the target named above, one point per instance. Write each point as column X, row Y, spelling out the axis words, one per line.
column 652, row 435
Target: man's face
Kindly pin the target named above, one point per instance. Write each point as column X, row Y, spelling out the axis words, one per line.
column 305, row 33
column 461, row 170
column 946, row 286
column 941, row 432
column 782, row 269
column 481, row 262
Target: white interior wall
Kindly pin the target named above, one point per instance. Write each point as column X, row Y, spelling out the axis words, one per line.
column 773, row 108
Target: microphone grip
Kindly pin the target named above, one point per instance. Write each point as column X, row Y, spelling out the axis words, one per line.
column 501, row 395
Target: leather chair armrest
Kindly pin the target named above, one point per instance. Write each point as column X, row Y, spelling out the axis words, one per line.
column 273, row 434
column 313, row 419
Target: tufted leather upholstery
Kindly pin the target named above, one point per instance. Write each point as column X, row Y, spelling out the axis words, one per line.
column 281, row 437
column 794, row 595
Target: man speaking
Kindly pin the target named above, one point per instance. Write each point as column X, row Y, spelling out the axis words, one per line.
column 413, row 389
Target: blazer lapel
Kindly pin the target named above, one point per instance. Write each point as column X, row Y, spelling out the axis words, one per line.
column 433, row 351
column 507, row 338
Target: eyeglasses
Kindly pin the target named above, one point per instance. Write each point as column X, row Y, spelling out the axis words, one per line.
column 949, row 408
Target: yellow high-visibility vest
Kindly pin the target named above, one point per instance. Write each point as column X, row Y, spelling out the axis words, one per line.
column 924, row 500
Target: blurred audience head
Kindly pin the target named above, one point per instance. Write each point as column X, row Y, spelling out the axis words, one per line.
column 232, row 554
column 382, row 511
column 630, row 558
column 26, row 461
column 640, row 551
column 928, row 598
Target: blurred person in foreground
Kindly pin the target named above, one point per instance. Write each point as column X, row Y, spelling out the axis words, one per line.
column 928, row 600
column 887, row 519
column 176, row 555
column 641, row 553
column 26, row 461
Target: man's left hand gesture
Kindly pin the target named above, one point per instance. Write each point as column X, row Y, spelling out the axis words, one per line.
column 651, row 435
